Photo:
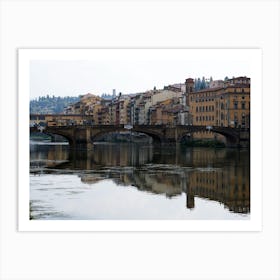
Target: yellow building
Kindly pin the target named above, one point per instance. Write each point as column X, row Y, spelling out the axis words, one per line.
column 124, row 111
column 222, row 106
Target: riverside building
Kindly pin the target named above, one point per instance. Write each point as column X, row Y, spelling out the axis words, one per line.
column 225, row 105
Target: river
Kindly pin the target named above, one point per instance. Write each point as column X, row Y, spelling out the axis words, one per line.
column 138, row 181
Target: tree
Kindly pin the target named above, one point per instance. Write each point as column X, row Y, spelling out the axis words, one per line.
column 203, row 83
column 198, row 84
column 195, row 85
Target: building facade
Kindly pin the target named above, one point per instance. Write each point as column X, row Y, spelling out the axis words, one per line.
column 227, row 106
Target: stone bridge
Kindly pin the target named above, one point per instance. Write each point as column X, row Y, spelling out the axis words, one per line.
column 82, row 136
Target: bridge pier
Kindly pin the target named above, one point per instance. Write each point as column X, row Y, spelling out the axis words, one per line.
column 81, row 139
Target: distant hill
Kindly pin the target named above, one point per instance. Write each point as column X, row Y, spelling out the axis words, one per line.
column 51, row 104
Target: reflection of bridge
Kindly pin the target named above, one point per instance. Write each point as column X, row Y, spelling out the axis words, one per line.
column 80, row 136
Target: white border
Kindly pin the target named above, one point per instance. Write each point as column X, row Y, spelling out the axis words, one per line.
column 24, row 224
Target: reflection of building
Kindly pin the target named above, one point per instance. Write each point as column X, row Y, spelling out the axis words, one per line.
column 230, row 186
column 91, row 178
column 48, row 156
column 190, row 201
column 158, row 183
column 219, row 175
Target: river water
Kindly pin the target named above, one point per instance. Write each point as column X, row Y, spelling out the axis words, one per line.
column 138, row 181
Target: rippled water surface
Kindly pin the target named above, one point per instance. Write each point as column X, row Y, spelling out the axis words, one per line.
column 133, row 181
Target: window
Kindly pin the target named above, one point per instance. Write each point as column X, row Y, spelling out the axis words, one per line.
column 243, row 120
column 235, row 105
column 243, row 105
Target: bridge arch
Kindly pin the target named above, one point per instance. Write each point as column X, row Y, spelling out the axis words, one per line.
column 53, row 136
column 156, row 136
column 68, row 138
column 49, row 131
column 231, row 135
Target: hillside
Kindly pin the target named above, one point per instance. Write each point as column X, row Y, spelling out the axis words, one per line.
column 51, row 104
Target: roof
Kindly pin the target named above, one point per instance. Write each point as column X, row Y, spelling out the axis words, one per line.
column 189, row 80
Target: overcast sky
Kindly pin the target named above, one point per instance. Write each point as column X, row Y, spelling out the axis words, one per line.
column 127, row 74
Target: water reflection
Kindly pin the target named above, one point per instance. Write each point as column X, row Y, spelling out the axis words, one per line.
column 221, row 175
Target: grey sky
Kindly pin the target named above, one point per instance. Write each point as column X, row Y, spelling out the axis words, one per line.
column 75, row 77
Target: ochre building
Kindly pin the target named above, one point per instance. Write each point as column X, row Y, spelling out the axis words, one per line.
column 227, row 105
